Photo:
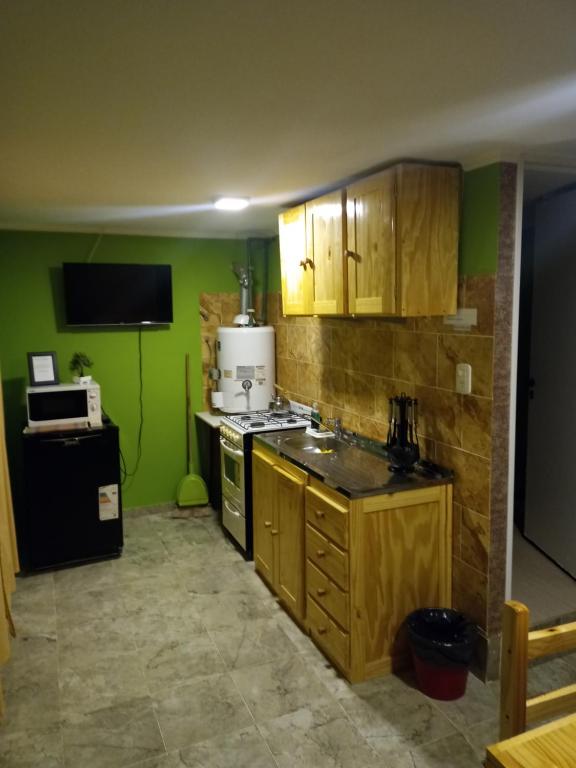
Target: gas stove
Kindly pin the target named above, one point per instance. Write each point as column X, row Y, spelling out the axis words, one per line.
column 265, row 421
column 236, row 434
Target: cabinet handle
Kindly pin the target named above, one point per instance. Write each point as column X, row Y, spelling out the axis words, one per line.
column 307, row 262
column 319, row 513
column 274, row 532
column 320, row 553
column 321, row 592
column 322, row 630
column 353, row 255
column 267, row 524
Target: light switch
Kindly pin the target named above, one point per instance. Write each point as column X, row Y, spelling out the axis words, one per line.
column 464, row 378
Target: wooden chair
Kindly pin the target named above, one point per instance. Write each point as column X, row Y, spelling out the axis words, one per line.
column 519, row 647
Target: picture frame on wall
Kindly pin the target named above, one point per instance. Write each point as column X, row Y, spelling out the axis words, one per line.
column 43, row 369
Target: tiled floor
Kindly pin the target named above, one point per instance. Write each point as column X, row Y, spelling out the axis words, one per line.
column 546, row 589
column 176, row 655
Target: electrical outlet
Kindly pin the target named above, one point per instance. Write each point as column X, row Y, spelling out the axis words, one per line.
column 464, row 378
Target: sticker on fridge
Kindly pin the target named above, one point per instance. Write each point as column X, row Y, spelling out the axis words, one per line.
column 108, row 502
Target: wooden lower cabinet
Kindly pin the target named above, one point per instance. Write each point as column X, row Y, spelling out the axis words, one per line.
column 278, row 520
column 397, row 558
column 351, row 570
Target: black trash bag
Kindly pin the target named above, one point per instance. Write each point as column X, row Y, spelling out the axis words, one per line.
column 441, row 636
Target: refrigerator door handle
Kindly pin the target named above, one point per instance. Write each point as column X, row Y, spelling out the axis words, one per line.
column 70, row 441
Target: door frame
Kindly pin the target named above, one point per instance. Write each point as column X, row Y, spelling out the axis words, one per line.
column 520, row 168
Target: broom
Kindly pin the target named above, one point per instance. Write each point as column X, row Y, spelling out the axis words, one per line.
column 192, row 491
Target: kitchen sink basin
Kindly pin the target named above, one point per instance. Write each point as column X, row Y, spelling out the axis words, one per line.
column 316, row 445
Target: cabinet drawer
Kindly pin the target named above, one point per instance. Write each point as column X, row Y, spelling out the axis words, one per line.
column 327, row 556
column 331, row 639
column 332, row 599
column 328, row 516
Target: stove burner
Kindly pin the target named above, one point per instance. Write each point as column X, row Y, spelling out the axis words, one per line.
column 262, row 421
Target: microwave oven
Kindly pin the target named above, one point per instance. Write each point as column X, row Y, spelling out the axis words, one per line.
column 62, row 405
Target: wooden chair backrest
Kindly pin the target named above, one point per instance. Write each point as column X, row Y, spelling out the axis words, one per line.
column 519, row 648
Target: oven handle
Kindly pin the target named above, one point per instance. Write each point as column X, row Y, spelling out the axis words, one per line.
column 230, row 508
column 228, row 447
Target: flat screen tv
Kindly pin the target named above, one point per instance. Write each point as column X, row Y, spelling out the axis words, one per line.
column 117, row 294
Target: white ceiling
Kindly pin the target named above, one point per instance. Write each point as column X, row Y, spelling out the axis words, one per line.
column 133, row 115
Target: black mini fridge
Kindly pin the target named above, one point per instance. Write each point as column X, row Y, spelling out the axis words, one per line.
column 72, row 509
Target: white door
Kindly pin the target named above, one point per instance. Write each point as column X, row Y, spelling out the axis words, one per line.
column 550, row 513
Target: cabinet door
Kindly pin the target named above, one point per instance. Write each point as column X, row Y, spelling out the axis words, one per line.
column 290, row 561
column 402, row 561
column 324, row 235
column 371, row 246
column 295, row 269
column 264, row 514
column 428, row 208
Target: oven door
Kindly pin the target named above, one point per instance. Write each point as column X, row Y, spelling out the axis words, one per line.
column 232, row 463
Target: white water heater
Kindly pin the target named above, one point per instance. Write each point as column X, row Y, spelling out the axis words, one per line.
column 245, row 359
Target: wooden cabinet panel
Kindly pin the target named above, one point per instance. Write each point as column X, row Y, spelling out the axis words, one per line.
column 333, row 641
column 290, row 541
column 264, row 514
column 328, row 516
column 371, row 245
column 401, row 563
column 297, row 275
column 278, row 518
column 327, row 556
column 325, row 228
column 328, row 595
column 428, row 208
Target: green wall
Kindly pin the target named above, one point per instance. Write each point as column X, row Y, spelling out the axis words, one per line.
column 480, row 221
column 30, row 320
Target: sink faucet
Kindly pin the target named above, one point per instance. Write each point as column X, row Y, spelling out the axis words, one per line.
column 336, row 425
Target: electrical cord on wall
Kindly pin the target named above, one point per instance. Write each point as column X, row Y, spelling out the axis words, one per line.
column 123, row 468
column 124, row 473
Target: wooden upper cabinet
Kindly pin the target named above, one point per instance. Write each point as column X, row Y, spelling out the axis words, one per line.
column 325, row 232
column 371, row 247
column 296, row 271
column 427, row 224
column 385, row 245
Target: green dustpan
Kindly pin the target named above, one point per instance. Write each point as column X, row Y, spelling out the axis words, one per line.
column 191, row 491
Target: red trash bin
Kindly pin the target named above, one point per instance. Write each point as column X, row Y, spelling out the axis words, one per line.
column 442, row 643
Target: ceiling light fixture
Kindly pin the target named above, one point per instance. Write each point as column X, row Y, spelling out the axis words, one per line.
column 231, row 203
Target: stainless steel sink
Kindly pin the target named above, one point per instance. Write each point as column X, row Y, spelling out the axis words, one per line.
column 317, row 445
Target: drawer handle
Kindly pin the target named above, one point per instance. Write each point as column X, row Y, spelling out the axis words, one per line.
column 274, row 532
column 319, row 513
column 267, row 524
column 320, row 553
column 322, row 630
column 321, row 592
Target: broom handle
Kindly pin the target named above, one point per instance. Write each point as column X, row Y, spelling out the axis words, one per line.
column 188, row 413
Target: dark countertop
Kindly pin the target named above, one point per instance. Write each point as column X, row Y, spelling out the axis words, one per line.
column 350, row 469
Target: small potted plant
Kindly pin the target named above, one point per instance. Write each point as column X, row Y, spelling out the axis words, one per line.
column 77, row 364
